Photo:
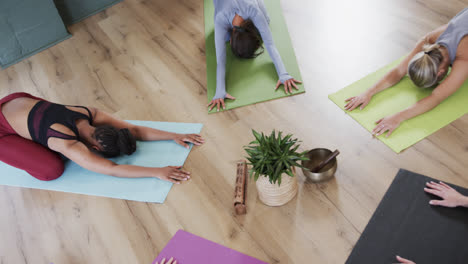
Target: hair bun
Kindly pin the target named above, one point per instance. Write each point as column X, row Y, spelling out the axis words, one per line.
column 126, row 141
column 428, row 48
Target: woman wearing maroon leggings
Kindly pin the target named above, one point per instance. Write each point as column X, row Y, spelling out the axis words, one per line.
column 35, row 134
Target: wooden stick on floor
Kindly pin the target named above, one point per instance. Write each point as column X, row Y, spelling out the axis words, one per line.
column 241, row 188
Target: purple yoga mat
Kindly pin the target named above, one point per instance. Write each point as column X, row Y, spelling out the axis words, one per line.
column 187, row 248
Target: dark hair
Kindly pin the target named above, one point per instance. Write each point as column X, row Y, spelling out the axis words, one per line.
column 113, row 141
column 246, row 40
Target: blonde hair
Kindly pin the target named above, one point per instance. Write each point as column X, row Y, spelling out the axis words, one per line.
column 423, row 67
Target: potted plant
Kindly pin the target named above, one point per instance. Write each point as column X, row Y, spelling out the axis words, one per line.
column 273, row 160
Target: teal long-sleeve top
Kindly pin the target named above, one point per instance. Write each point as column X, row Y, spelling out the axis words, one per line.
column 225, row 11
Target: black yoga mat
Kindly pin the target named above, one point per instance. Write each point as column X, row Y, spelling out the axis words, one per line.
column 405, row 224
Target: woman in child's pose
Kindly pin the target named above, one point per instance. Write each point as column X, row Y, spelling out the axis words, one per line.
column 35, row 134
column 245, row 24
column 426, row 65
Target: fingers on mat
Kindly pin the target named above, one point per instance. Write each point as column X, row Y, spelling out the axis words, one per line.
column 222, row 102
column 295, row 86
column 445, row 185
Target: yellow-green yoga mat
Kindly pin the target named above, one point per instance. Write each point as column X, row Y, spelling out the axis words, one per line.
column 253, row 80
column 398, row 98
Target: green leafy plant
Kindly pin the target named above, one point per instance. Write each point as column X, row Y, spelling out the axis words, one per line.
column 273, row 155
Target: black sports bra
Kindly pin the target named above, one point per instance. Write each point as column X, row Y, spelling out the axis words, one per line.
column 45, row 114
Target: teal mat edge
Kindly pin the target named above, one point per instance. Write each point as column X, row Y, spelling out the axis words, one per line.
column 32, row 53
column 68, row 23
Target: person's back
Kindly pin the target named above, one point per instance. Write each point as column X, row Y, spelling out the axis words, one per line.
column 16, row 113
column 244, row 8
column 456, row 30
column 33, row 119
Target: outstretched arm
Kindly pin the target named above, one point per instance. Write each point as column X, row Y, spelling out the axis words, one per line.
column 221, row 34
column 393, row 76
column 80, row 154
column 261, row 22
column 450, row 85
column 144, row 133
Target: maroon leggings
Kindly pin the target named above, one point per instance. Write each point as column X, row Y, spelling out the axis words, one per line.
column 25, row 154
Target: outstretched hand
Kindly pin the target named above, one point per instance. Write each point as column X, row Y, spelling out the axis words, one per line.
column 386, row 124
column 220, row 102
column 195, row 139
column 355, row 101
column 403, row 260
column 450, row 197
column 163, row 261
column 173, row 174
column 288, row 85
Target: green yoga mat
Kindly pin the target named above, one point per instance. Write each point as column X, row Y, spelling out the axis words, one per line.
column 251, row 81
column 73, row 11
column 397, row 98
column 28, row 27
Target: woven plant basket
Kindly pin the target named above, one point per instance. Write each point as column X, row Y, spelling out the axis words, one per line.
column 274, row 195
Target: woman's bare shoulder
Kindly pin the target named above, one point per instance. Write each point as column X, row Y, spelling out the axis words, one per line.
column 462, row 49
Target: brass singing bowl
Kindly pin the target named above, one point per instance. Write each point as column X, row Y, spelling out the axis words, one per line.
column 316, row 156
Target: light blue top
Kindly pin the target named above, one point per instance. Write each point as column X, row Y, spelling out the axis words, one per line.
column 456, row 30
column 225, row 11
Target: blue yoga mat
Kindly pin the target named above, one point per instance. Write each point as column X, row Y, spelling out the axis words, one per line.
column 76, row 179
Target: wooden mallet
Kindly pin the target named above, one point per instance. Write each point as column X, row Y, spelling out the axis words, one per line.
column 326, row 161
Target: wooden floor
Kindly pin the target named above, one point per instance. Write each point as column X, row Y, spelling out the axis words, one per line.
column 144, row 59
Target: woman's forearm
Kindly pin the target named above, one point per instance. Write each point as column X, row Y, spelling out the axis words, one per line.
column 132, row 171
column 221, row 35
column 464, row 201
column 389, row 80
column 220, row 79
column 419, row 108
column 283, row 75
column 172, row 174
column 81, row 155
column 151, row 134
